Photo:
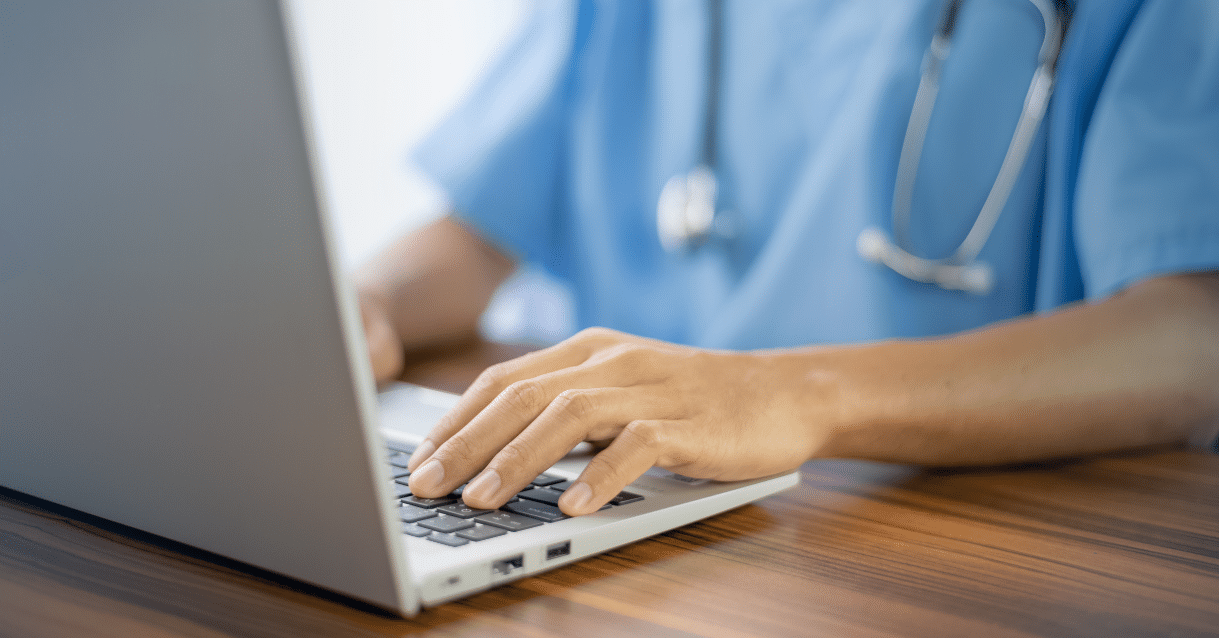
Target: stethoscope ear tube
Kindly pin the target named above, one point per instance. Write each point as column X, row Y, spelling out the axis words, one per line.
column 686, row 210
column 960, row 271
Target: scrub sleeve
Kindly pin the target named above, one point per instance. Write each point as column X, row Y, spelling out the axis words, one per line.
column 500, row 156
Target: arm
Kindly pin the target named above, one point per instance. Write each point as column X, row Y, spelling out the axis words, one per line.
column 1139, row 369
column 429, row 286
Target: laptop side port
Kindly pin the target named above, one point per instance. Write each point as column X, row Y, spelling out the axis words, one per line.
column 507, row 565
column 558, row 550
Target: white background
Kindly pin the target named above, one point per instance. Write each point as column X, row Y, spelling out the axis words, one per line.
column 380, row 74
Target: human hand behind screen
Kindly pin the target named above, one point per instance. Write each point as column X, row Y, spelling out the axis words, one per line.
column 427, row 288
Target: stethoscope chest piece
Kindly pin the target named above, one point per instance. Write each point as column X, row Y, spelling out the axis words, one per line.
column 685, row 211
column 974, row 276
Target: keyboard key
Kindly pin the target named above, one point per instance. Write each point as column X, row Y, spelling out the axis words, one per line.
column 444, row 523
column 428, row 503
column 508, row 520
column 415, row 530
column 625, row 497
column 405, row 448
column 541, row 494
column 401, row 489
column 448, row 539
column 399, row 472
column 562, row 487
column 412, row 514
column 546, row 479
column 481, row 532
column 461, row 510
column 399, row 459
column 540, row 511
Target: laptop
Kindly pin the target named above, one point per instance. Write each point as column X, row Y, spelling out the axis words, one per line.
column 181, row 353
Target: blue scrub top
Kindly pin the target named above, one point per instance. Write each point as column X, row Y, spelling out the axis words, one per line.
column 559, row 156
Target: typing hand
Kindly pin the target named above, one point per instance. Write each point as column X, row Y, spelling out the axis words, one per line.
column 705, row 414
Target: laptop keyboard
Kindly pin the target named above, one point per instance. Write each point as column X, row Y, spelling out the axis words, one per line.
column 448, row 521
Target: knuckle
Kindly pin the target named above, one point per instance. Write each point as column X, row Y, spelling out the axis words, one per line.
column 627, row 354
column 513, row 459
column 524, row 396
column 491, row 378
column 592, row 332
column 458, row 449
column 602, row 468
column 574, row 405
column 648, row 434
column 595, row 334
column 680, row 460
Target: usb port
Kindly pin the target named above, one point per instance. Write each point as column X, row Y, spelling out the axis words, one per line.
column 508, row 565
column 558, row 550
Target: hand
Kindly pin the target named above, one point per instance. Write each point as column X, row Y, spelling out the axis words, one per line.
column 717, row 415
column 427, row 288
column 385, row 348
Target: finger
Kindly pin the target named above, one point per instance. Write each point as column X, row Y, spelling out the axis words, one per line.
column 572, row 417
column 490, row 384
column 636, row 449
column 507, row 415
column 577, row 350
column 384, row 348
column 385, row 352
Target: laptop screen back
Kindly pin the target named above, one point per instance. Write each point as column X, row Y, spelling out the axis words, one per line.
column 173, row 357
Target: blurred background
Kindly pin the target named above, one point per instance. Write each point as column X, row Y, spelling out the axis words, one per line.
column 380, row 74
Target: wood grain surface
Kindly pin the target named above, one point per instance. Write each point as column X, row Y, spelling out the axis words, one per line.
column 1115, row 546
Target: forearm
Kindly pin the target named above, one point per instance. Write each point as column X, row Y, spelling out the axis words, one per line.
column 1139, row 369
column 435, row 282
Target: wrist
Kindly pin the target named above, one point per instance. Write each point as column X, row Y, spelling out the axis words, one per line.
column 832, row 397
column 863, row 400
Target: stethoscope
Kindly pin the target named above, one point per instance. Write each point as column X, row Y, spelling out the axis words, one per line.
column 686, row 213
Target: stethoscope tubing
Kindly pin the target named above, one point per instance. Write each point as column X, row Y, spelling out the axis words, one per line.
column 687, row 207
column 1036, row 101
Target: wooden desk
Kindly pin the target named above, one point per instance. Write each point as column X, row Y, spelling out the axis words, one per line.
column 1118, row 546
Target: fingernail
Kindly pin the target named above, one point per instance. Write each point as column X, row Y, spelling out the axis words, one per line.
column 428, row 478
column 576, row 497
column 424, row 450
column 484, row 487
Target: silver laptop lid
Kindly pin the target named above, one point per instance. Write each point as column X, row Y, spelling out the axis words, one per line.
column 172, row 356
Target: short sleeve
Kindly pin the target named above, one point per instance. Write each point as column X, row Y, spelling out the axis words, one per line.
column 1147, row 199
column 498, row 156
